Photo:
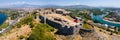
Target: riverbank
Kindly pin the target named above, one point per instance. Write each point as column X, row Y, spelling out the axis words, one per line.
column 3, row 21
column 112, row 21
column 4, row 25
column 3, row 18
column 99, row 18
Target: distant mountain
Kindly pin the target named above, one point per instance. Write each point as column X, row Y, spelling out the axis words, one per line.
column 45, row 6
column 22, row 6
column 48, row 6
column 78, row 6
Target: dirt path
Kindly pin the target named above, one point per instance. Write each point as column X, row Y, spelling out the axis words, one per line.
column 16, row 33
column 105, row 35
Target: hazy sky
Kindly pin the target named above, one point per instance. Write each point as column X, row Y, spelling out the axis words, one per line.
column 108, row 3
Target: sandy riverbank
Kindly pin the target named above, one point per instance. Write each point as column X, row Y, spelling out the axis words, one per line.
column 112, row 21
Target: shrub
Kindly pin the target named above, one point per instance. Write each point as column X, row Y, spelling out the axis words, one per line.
column 42, row 32
column 111, row 33
column 100, row 30
column 21, row 37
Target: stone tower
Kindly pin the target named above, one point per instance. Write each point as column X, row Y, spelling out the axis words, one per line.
column 37, row 17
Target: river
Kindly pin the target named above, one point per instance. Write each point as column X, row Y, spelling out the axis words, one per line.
column 3, row 17
column 100, row 19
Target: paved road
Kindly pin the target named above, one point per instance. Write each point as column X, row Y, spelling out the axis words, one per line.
column 11, row 25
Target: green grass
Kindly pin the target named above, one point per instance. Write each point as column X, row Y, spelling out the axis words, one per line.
column 76, row 13
column 42, row 32
column 87, row 26
column 28, row 20
column 39, row 31
column 4, row 25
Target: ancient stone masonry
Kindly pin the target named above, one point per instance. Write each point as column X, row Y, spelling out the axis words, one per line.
column 65, row 25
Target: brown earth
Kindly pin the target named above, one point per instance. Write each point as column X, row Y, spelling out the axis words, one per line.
column 16, row 33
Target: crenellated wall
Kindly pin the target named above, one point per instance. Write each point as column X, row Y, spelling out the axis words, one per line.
column 63, row 30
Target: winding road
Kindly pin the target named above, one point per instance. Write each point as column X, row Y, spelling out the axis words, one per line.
column 11, row 25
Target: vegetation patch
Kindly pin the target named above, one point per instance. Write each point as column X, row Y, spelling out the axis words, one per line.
column 97, row 11
column 4, row 25
column 42, row 32
column 27, row 20
column 87, row 26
